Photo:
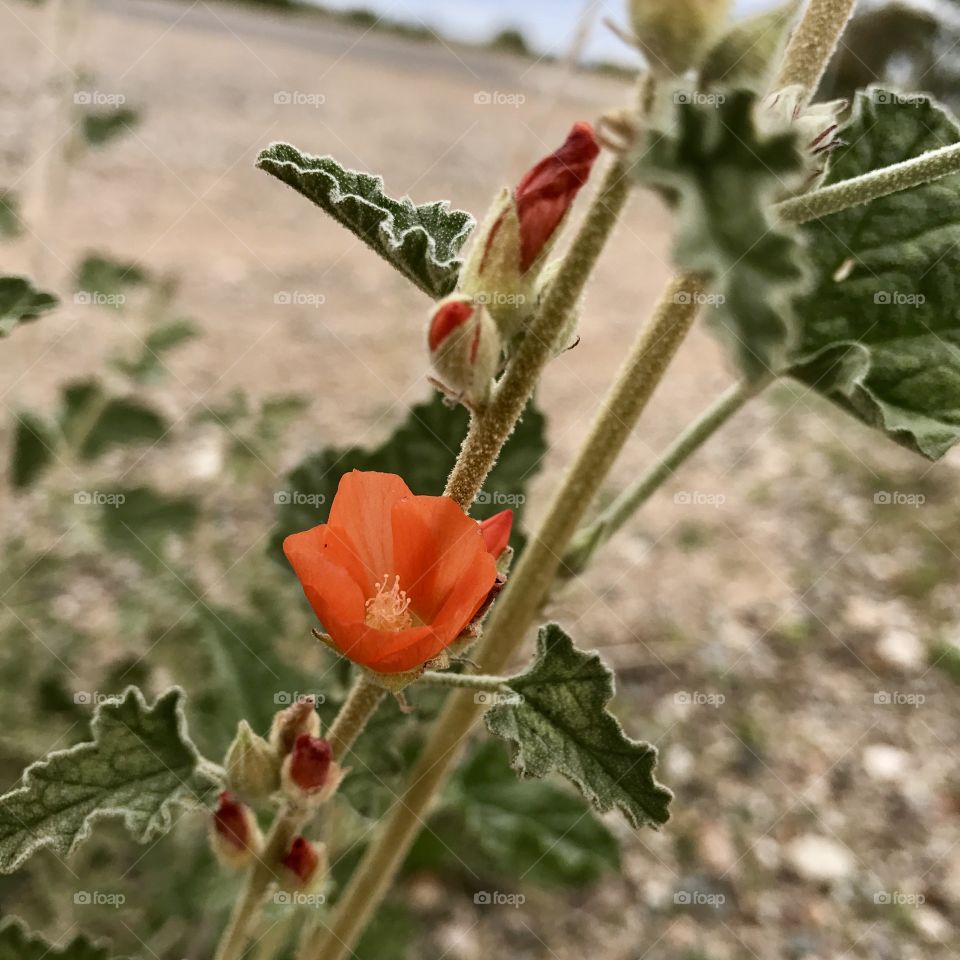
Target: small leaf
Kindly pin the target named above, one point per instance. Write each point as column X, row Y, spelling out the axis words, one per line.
column 99, row 127
column 107, row 278
column 10, row 223
column 139, row 766
column 422, row 242
column 724, row 174
column 881, row 323
column 422, row 450
column 140, row 520
column 149, row 364
column 21, row 302
column 561, row 723
column 746, row 54
column 34, row 441
column 123, row 422
column 17, row 944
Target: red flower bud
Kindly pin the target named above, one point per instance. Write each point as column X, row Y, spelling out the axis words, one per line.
column 447, row 318
column 547, row 190
column 496, row 532
column 310, row 762
column 302, row 860
column 235, row 835
column 464, row 347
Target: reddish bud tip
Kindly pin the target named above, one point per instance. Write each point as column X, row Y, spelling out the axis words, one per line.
column 446, row 319
column 496, row 532
column 302, row 860
column 310, row 763
column 290, row 723
column 232, row 821
column 546, row 192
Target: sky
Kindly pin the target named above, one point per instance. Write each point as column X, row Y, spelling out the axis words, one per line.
column 548, row 24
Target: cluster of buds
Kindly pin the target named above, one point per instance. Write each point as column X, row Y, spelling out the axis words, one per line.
column 503, row 279
column 815, row 125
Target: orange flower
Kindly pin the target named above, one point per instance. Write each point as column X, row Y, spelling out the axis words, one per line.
column 394, row 578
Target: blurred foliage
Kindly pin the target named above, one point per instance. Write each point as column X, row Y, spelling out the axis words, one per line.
column 10, row 223
column 99, row 127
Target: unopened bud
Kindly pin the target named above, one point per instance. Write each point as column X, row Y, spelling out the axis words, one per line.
column 675, row 35
column 464, row 347
column 309, row 772
column 290, row 723
column 305, row 865
column 511, row 246
column 234, row 833
column 253, row 766
column 496, row 532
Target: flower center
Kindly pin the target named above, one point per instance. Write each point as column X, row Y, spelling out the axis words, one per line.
column 388, row 609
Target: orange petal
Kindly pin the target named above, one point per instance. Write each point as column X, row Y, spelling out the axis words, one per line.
column 496, row 531
column 362, row 507
column 441, row 559
column 336, row 597
column 389, row 651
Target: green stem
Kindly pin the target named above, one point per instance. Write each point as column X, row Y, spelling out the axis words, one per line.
column 469, row 681
column 929, row 166
column 514, row 612
column 812, row 44
column 592, row 536
column 361, row 703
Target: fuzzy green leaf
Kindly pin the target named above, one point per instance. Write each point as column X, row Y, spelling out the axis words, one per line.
column 560, row 722
column 140, row 765
column 16, row 943
column 21, row 302
column 34, row 441
column 881, row 324
column 422, row 450
column 422, row 242
column 723, row 174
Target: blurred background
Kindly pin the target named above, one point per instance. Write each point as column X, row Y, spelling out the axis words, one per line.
column 784, row 619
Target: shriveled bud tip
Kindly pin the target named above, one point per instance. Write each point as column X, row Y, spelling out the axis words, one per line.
column 302, row 860
column 235, row 835
column 448, row 317
column 310, row 762
column 293, row 721
column 547, row 190
column 496, row 532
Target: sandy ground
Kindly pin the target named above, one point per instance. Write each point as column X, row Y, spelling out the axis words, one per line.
column 757, row 625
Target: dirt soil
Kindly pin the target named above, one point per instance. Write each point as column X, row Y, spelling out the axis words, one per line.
column 780, row 630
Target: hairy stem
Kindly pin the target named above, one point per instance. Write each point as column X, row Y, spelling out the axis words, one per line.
column 929, row 166
column 812, row 44
column 469, row 681
column 361, row 703
column 515, row 611
column 592, row 536
column 490, row 429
